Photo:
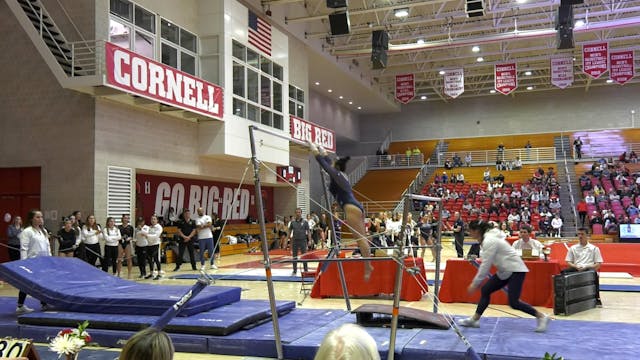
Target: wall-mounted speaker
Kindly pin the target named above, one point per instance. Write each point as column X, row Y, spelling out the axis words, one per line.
column 474, row 8
column 378, row 58
column 380, row 39
column 339, row 23
column 564, row 27
column 336, row 4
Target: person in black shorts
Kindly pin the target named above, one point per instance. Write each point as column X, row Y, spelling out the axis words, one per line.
column 186, row 233
column 66, row 239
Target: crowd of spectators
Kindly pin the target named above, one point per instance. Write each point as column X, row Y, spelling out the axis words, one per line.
column 535, row 202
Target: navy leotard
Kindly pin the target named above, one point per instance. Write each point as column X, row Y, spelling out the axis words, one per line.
column 339, row 186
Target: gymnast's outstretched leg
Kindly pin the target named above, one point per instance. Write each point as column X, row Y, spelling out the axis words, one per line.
column 355, row 220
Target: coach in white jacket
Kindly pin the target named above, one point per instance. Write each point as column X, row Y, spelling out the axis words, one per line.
column 495, row 250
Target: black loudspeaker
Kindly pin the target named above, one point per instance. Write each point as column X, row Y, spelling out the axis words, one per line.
column 570, row 2
column 336, row 4
column 380, row 39
column 564, row 27
column 339, row 23
column 474, row 8
column 378, row 58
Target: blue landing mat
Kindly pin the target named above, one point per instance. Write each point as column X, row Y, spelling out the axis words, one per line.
column 240, row 277
column 620, row 288
column 219, row 321
column 73, row 285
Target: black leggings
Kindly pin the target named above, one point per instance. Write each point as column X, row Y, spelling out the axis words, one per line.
column 141, row 255
column 110, row 258
column 92, row 253
column 153, row 256
column 494, row 284
column 22, row 296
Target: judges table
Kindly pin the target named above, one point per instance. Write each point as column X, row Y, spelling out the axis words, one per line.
column 537, row 289
column 382, row 280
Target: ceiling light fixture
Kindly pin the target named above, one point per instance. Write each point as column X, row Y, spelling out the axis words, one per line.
column 475, row 49
column 423, row 97
column 609, row 81
column 341, row 97
column 317, row 83
column 330, row 90
column 492, row 91
column 350, row 102
column 420, row 41
column 359, row 107
column 480, row 59
column 579, row 23
column 527, row 73
column 521, row 1
column 400, row 13
column 529, row 87
column 441, row 72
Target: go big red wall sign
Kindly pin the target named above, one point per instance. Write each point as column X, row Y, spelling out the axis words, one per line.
column 156, row 194
column 139, row 75
column 306, row 131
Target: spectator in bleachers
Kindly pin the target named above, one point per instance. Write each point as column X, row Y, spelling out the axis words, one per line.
column 595, row 219
column 555, row 205
column 457, row 162
column 623, row 157
column 448, row 165
column 486, row 176
column 460, row 178
column 633, row 158
column 444, row 177
column 513, row 216
column 556, row 226
column 545, row 225
column 590, row 199
column 582, row 211
column 504, row 228
column 577, row 146
column 517, row 164
column 468, row 159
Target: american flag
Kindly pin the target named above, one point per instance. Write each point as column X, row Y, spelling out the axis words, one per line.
column 259, row 33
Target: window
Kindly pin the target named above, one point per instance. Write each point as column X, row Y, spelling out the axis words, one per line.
column 257, row 83
column 135, row 28
column 296, row 102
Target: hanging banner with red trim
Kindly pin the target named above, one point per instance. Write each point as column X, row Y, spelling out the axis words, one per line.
column 405, row 88
column 506, row 77
column 562, row 71
column 594, row 59
column 454, row 82
column 621, row 66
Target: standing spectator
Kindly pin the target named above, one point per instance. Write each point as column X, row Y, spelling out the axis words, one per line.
column 527, row 148
column 140, row 238
column 216, row 232
column 91, row 234
column 300, row 236
column 458, row 234
column 112, row 237
column 154, row 236
column 34, row 242
column 186, row 233
column 577, row 145
column 281, row 230
column 582, row 211
column 468, row 159
column 13, row 234
column 126, row 230
column 585, row 257
column 205, row 237
column 66, row 239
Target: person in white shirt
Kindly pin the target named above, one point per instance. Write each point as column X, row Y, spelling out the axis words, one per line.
column 526, row 242
column 140, row 239
column 91, row 235
column 589, row 199
column 585, row 257
column 34, row 242
column 205, row 238
column 556, row 225
column 511, row 271
column 154, row 235
column 112, row 236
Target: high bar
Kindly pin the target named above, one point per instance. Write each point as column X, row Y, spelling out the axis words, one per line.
column 422, row 197
column 273, row 133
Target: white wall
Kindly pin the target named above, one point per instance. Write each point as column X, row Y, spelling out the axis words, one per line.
column 332, row 115
column 603, row 107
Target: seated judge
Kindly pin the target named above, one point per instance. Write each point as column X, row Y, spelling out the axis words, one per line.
column 585, row 257
column 527, row 243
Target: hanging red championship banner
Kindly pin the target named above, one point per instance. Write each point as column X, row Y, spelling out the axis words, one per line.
column 594, row 59
column 454, row 82
column 621, row 66
column 506, row 77
column 405, row 88
column 562, row 71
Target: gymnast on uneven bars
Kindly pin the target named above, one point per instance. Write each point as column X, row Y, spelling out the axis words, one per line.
column 341, row 190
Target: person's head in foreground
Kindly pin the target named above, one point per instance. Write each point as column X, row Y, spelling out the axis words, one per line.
column 148, row 344
column 348, row 342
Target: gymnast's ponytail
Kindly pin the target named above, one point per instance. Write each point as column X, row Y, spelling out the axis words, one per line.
column 481, row 225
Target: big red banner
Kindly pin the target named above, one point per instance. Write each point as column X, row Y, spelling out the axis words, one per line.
column 506, row 77
column 562, row 71
column 307, row 131
column 454, row 82
column 621, row 67
column 594, row 59
column 139, row 75
column 405, row 88
column 156, row 194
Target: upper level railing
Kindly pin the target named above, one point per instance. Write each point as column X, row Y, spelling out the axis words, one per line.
column 394, row 161
column 596, row 154
column 87, row 57
column 489, row 157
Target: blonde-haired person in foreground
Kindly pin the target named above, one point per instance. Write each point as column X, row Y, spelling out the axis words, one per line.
column 348, row 342
column 148, row 344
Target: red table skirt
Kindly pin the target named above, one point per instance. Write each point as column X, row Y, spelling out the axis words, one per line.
column 537, row 289
column 382, row 280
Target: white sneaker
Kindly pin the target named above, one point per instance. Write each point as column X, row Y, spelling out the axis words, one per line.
column 214, row 267
column 203, row 267
column 469, row 322
column 543, row 322
column 23, row 309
